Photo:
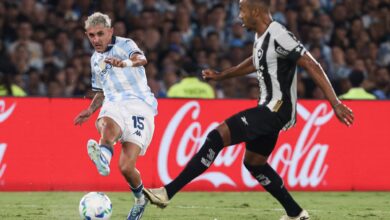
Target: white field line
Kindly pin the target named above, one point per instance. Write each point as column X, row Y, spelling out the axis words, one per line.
column 276, row 210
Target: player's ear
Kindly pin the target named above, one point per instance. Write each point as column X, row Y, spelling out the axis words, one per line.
column 256, row 12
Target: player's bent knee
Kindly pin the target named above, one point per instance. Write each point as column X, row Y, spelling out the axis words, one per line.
column 214, row 139
column 258, row 161
column 109, row 136
column 254, row 159
column 108, row 124
column 224, row 132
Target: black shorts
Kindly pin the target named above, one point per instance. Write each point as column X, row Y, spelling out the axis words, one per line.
column 258, row 127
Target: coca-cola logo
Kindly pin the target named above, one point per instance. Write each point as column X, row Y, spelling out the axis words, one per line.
column 2, row 153
column 4, row 115
column 306, row 149
column 301, row 163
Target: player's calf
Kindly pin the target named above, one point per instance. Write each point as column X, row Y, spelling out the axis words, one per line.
column 273, row 183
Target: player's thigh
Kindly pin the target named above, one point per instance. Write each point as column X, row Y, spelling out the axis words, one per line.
column 110, row 117
column 260, row 148
column 110, row 125
column 251, row 123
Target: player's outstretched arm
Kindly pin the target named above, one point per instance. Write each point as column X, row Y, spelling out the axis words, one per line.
column 135, row 60
column 138, row 59
column 244, row 68
column 86, row 113
column 314, row 69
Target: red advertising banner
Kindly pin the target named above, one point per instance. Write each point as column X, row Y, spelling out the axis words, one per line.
column 41, row 149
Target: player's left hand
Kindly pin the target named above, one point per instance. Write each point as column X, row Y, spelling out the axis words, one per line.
column 209, row 74
column 115, row 62
column 82, row 117
column 344, row 114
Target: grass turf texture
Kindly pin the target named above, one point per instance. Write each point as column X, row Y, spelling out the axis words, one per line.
column 201, row 205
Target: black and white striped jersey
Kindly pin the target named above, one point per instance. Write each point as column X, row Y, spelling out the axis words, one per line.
column 275, row 54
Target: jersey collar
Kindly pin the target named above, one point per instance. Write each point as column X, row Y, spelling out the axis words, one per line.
column 266, row 30
column 111, row 45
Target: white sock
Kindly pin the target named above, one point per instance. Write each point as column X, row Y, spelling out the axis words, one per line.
column 139, row 196
column 140, row 200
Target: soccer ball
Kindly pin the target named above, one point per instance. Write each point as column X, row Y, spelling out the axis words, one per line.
column 95, row 206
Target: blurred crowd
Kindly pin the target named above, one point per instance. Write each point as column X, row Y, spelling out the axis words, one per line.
column 44, row 50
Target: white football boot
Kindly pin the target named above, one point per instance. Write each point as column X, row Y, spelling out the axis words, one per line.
column 302, row 216
column 158, row 197
column 138, row 209
column 98, row 158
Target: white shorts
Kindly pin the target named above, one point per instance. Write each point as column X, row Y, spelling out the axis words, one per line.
column 135, row 118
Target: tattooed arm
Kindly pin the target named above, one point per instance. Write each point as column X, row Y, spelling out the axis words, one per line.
column 95, row 105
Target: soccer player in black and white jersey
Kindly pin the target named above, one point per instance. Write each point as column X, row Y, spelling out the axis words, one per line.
column 276, row 54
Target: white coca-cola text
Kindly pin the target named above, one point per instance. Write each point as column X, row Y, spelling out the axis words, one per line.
column 4, row 114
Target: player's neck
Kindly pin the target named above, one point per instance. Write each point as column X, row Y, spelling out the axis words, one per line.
column 263, row 24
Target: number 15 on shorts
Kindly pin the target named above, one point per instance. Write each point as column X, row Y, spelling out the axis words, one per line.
column 138, row 122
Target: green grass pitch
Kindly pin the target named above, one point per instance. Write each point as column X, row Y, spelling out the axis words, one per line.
column 201, row 205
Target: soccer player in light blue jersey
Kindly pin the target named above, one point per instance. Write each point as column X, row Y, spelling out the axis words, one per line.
column 128, row 105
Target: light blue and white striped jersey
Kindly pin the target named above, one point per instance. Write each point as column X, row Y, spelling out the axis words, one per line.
column 117, row 83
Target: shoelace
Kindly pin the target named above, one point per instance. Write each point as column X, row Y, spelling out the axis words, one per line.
column 103, row 159
column 138, row 206
column 136, row 210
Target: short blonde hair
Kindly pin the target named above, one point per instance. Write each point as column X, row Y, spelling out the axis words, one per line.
column 98, row 18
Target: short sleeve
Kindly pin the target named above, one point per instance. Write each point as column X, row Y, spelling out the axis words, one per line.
column 287, row 46
column 131, row 47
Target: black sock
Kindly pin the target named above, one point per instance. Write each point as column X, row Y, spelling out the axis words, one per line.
column 272, row 182
column 198, row 164
column 137, row 191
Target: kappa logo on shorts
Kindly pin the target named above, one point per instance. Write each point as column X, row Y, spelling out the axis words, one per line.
column 138, row 133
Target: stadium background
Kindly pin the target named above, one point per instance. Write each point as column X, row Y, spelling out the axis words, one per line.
column 44, row 51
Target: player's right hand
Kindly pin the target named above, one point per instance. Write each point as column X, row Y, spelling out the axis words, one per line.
column 82, row 117
column 209, row 74
column 344, row 114
column 115, row 62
